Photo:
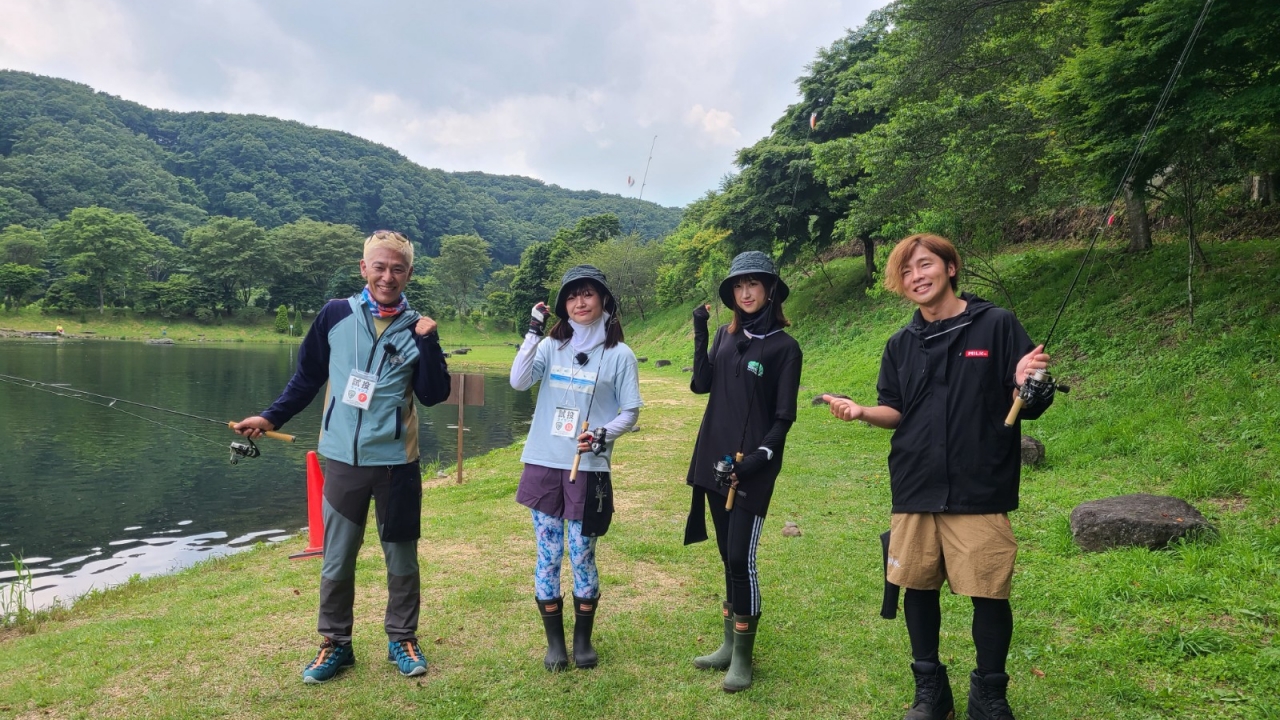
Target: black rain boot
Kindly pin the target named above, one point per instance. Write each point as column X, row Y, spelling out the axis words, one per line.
column 933, row 693
column 552, row 612
column 744, row 640
column 719, row 660
column 584, row 616
column 987, row 700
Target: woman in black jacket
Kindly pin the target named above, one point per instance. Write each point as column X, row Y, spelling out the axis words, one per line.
column 753, row 375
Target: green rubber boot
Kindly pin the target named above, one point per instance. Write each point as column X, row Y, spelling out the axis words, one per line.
column 744, row 640
column 719, row 660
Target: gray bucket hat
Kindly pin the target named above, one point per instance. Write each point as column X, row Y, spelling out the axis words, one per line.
column 583, row 272
column 752, row 262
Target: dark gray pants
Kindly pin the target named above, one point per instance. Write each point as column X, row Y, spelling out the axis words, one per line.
column 396, row 492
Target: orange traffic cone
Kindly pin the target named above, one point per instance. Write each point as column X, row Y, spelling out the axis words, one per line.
column 315, row 511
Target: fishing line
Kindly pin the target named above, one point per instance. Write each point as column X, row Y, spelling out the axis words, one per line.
column 246, row 449
column 43, row 385
column 1137, row 155
column 34, row 385
column 1041, row 380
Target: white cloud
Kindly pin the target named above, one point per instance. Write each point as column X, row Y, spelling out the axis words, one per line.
column 569, row 91
column 717, row 124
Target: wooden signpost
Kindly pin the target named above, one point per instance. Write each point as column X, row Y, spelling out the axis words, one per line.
column 465, row 389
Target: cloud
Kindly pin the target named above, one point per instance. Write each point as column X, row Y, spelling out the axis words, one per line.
column 572, row 92
column 717, row 124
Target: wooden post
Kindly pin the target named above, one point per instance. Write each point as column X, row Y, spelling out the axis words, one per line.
column 462, row 393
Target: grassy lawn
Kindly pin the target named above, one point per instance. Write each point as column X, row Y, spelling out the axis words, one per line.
column 1159, row 404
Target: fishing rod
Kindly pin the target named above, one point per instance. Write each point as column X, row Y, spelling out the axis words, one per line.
column 596, row 442
column 239, row 450
column 1040, row 383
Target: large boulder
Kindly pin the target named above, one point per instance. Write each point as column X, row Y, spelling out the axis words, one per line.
column 1150, row 521
column 1032, row 451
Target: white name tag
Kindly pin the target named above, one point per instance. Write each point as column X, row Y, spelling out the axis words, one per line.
column 565, row 422
column 360, row 387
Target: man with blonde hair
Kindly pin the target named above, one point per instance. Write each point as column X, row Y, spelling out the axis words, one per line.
column 372, row 354
column 947, row 381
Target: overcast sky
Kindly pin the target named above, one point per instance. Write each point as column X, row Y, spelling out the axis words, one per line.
column 571, row 92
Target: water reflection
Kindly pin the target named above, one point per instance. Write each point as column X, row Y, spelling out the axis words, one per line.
column 91, row 496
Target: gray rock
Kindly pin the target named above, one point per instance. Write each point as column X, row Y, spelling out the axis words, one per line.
column 462, row 351
column 160, row 341
column 661, row 363
column 790, row 529
column 1141, row 520
column 1032, row 451
column 642, row 359
column 686, row 368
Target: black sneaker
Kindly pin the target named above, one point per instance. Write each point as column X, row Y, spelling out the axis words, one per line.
column 933, row 693
column 987, row 699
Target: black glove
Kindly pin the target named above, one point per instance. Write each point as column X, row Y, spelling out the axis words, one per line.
column 1038, row 392
column 700, row 317
column 751, row 464
column 538, row 319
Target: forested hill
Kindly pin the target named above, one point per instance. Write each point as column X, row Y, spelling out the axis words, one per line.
column 64, row 146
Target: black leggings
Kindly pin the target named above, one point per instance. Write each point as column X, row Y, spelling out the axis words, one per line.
column 737, row 535
column 992, row 628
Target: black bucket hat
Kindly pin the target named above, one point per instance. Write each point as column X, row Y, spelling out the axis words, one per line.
column 752, row 262
column 572, row 276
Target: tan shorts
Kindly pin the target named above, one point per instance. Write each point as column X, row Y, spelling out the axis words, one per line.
column 973, row 553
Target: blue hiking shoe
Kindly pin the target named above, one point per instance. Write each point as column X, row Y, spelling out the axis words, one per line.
column 331, row 658
column 408, row 657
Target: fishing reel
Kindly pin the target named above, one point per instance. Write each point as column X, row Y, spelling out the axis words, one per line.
column 1035, row 393
column 245, row 449
column 598, row 437
column 722, row 470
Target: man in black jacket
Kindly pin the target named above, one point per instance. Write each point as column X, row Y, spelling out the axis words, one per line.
column 947, row 381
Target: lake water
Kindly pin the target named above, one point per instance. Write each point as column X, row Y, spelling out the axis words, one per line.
column 90, row 496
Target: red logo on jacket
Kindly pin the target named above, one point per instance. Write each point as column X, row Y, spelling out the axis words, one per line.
column 977, row 353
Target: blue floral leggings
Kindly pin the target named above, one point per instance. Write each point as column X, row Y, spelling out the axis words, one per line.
column 549, row 531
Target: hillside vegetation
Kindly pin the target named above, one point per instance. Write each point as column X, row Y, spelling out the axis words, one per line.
column 1159, row 404
column 64, row 146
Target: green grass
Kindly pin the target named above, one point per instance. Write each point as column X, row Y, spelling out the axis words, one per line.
column 117, row 324
column 1158, row 405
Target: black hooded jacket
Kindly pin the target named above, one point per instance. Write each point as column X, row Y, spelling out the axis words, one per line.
column 952, row 380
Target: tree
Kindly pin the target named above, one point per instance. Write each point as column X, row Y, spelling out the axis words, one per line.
column 23, row 246
column 631, row 267
column 529, row 283
column 1100, row 96
column 282, row 320
column 16, row 281
column 309, row 253
column 110, row 249
column 423, row 292
column 459, row 268
column 232, row 256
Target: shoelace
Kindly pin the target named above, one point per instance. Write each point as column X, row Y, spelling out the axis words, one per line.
column 926, row 688
column 405, row 648
column 996, row 702
column 325, row 656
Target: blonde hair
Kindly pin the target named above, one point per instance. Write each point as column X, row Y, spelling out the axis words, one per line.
column 391, row 240
column 935, row 244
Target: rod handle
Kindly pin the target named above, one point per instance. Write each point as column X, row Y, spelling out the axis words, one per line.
column 1013, row 411
column 282, row 437
column 577, row 458
column 733, row 487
